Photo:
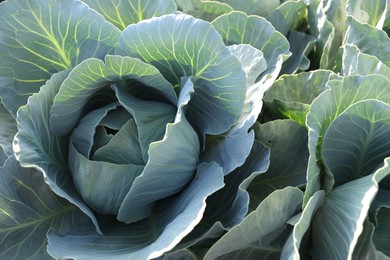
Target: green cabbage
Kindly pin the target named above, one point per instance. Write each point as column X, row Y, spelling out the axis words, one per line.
column 198, row 129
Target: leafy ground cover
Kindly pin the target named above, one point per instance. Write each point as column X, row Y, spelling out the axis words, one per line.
column 195, row 129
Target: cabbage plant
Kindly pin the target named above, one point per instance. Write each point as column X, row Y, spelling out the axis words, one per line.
column 127, row 122
column 252, row 129
column 342, row 212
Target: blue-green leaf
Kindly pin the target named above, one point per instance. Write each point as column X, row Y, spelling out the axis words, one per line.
column 381, row 237
column 254, row 64
column 230, row 149
column 28, row 209
column 88, row 135
column 229, row 205
column 301, row 46
column 122, row 13
column 323, row 30
column 171, row 220
column 357, row 142
column 366, row 11
column 102, row 185
column 171, row 166
column 283, row 19
column 255, row 7
column 365, row 248
column 335, row 13
column 368, row 39
column 8, row 130
column 180, row 46
column 301, row 227
column 36, row 146
column 40, row 38
column 356, row 62
column 288, row 159
column 339, row 222
column 291, row 95
column 93, row 76
column 326, row 107
column 238, row 28
column 382, row 199
column 123, row 147
column 384, row 22
column 285, row 15
column 256, row 233
column 151, row 122
column 203, row 9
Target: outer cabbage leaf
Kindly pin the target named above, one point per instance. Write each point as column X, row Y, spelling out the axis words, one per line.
column 41, row 38
column 255, row 7
column 285, row 15
column 325, row 108
column 382, row 200
column 253, row 62
column 284, row 18
column 356, row 142
column 8, row 130
column 327, row 23
column 323, row 30
column 28, row 208
column 171, row 220
column 381, row 236
column 206, row 10
column 291, row 95
column 349, row 204
column 257, row 236
column 336, row 14
column 180, row 46
column 232, row 148
column 365, row 248
column 296, row 246
column 237, row 28
column 356, row 62
column 368, row 39
column 122, row 13
column 288, row 143
column 367, row 11
column 337, row 220
column 229, row 205
column 301, row 45
column 36, row 146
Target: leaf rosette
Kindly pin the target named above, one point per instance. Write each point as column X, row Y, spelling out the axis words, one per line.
column 123, row 111
column 140, row 119
column 139, row 140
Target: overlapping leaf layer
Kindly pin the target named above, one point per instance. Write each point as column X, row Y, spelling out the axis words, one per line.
column 170, row 129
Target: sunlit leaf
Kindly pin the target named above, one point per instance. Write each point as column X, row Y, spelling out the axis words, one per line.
column 41, row 39
column 122, row 13
column 28, row 208
column 255, row 235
